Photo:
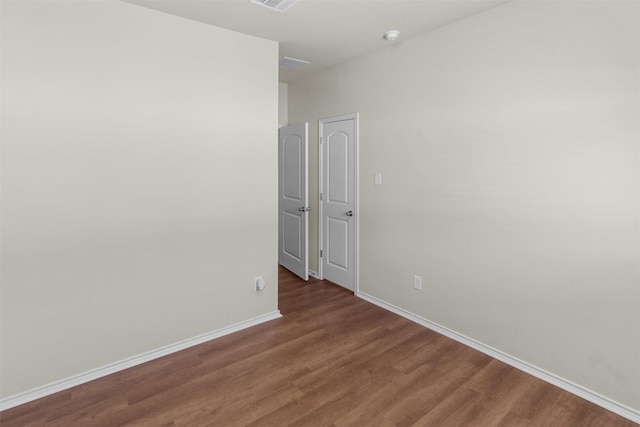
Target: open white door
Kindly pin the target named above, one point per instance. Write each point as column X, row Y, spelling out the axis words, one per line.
column 338, row 199
column 292, row 199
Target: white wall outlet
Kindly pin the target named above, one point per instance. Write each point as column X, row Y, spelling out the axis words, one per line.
column 417, row 282
column 377, row 178
column 260, row 283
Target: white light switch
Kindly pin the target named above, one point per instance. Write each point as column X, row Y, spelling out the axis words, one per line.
column 377, row 178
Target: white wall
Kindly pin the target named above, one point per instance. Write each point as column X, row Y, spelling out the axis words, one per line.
column 139, row 178
column 283, row 104
column 509, row 148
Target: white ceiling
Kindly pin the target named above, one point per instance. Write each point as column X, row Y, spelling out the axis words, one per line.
column 325, row 32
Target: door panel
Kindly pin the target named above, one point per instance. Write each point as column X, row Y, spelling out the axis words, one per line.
column 292, row 153
column 291, row 225
column 337, row 161
column 338, row 152
column 292, row 199
column 337, row 247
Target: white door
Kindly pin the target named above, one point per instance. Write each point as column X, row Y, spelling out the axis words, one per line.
column 292, row 199
column 338, row 222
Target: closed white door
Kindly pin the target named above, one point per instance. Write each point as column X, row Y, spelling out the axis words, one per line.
column 293, row 204
column 338, row 154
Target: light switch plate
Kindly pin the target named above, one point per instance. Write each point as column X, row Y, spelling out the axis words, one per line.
column 377, row 178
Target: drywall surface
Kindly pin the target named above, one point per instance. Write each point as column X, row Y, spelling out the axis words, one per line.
column 283, row 104
column 509, row 148
column 139, row 184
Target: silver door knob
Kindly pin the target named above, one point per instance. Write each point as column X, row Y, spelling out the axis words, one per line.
column 303, row 209
column 350, row 213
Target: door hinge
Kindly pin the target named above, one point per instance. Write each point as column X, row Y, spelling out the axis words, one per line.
column 320, row 253
column 320, row 196
column 321, row 140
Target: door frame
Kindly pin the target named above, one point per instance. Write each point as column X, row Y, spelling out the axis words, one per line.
column 356, row 217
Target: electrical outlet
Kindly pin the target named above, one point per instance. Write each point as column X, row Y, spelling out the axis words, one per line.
column 417, row 283
column 260, row 283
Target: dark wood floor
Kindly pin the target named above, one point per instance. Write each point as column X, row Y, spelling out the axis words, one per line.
column 332, row 360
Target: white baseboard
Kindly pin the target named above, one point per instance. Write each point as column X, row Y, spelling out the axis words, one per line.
column 314, row 274
column 564, row 384
column 129, row 362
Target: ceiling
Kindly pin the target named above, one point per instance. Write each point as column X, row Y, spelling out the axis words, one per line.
column 325, row 32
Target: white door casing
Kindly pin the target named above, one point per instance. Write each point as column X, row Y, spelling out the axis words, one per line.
column 338, row 199
column 293, row 206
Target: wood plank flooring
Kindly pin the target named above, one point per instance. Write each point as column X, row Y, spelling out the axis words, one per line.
column 332, row 360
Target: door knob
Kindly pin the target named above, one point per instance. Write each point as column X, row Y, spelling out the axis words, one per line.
column 350, row 213
column 303, row 209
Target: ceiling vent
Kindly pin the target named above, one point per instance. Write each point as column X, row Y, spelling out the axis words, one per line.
column 291, row 63
column 277, row 5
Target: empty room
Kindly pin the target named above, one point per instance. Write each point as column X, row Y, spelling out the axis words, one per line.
column 320, row 212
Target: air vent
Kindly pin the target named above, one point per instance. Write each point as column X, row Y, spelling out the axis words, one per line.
column 291, row 63
column 277, row 5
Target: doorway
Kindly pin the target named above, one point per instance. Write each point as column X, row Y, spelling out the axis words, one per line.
column 293, row 205
column 338, row 219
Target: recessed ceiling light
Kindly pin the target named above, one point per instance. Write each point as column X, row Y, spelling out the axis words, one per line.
column 392, row 35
